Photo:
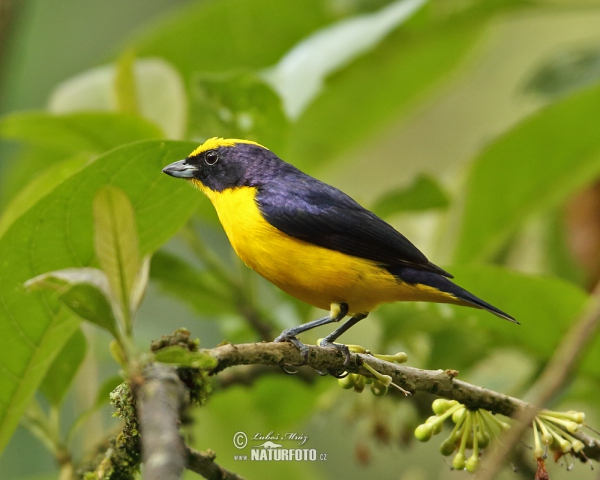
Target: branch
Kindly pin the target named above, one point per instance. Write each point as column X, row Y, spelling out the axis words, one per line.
column 436, row 382
column 203, row 463
column 161, row 397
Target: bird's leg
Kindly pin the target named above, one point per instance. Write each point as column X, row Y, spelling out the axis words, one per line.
column 329, row 339
column 337, row 312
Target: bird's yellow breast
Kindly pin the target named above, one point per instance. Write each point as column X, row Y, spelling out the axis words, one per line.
column 313, row 274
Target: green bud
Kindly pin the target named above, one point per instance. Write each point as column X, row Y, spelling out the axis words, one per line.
column 447, row 447
column 378, row 389
column 547, row 439
column 459, row 461
column 470, row 439
column 352, row 348
column 458, row 415
column 437, row 427
column 347, row 382
column 424, row 432
column 565, row 445
column 577, row 445
column 578, row 417
column 472, row 463
column 441, row 405
column 400, row 357
column 483, row 439
column 571, row 427
column 359, row 383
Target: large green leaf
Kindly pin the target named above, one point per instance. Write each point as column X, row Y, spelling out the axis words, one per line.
column 532, row 168
column 52, row 138
column 385, row 83
column 63, row 369
column 94, row 132
column 245, row 30
column 57, row 232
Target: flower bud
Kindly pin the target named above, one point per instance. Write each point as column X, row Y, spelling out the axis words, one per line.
column 359, row 383
column 472, row 463
column 347, row 382
column 424, row 432
column 459, row 461
column 458, row 415
column 441, row 405
column 448, row 446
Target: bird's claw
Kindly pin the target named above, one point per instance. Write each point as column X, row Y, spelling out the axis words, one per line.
column 340, row 348
column 303, row 349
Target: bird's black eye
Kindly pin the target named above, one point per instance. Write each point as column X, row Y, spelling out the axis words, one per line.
column 211, row 157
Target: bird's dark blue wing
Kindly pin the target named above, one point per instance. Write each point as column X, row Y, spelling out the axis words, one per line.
column 320, row 214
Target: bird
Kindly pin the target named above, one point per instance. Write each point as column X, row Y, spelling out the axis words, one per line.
column 312, row 240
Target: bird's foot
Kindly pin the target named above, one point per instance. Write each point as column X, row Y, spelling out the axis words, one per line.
column 339, row 347
column 286, row 336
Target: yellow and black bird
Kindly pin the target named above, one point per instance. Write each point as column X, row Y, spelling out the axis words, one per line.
column 312, row 240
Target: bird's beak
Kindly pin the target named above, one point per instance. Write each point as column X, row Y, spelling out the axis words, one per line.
column 180, row 169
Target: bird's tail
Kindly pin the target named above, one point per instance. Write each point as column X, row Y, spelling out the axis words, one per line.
column 463, row 297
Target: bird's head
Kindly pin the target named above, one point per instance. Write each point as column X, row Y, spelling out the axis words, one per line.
column 219, row 164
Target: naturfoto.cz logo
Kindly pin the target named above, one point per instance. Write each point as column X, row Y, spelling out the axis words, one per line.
column 269, row 450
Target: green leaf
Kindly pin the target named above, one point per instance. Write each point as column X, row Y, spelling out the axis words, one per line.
column 424, row 193
column 156, row 86
column 85, row 291
column 63, row 369
column 116, row 243
column 77, row 132
column 531, row 169
column 299, row 76
column 91, row 304
column 245, row 39
column 237, row 105
column 140, row 284
column 124, row 87
column 38, row 187
column 183, row 357
column 52, row 139
column 57, row 233
column 376, row 90
column 60, row 280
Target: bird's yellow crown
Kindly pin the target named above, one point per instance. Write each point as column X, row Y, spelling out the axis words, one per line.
column 217, row 142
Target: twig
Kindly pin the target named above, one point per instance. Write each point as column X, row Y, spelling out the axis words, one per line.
column 161, row 397
column 414, row 380
column 555, row 374
column 203, row 463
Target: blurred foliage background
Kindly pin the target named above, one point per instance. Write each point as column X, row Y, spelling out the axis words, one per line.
column 470, row 125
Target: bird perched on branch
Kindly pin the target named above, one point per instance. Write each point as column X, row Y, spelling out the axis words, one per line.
column 312, row 240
